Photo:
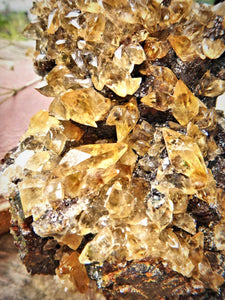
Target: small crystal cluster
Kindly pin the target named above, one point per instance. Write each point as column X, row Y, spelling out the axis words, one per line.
column 95, row 163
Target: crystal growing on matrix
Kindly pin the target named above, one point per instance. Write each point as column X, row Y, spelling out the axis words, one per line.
column 127, row 166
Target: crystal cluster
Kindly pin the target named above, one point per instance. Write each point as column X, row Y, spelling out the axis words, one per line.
column 128, row 141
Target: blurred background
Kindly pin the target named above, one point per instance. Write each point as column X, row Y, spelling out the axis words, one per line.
column 18, row 98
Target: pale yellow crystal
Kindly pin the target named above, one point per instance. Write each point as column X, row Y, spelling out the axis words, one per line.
column 95, row 26
column 186, row 157
column 124, row 87
column 160, row 212
column 99, row 248
column 72, row 183
column 40, row 124
column 31, row 194
column 120, row 202
column 90, row 157
column 135, row 53
column 54, row 192
column 177, row 253
column 170, row 179
column 37, row 161
column 185, row 222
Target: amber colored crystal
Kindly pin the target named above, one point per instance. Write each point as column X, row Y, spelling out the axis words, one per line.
column 71, row 267
column 71, row 131
column 180, row 201
column 211, row 86
column 155, row 48
column 53, row 22
column 177, row 253
column 213, row 279
column 185, row 104
column 194, row 132
column 196, row 244
column 140, row 138
column 119, row 202
column 160, row 95
column 183, row 47
column 85, row 106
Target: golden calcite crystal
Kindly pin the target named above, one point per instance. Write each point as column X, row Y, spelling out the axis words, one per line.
column 85, row 106
column 127, row 166
column 160, row 95
column 186, row 157
column 183, row 47
column 124, row 117
column 185, row 105
column 71, row 269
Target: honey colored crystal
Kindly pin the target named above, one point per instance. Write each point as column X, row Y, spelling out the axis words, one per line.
column 76, row 272
column 183, row 47
column 160, row 95
column 211, row 86
column 124, row 117
column 185, row 105
column 156, row 48
column 85, row 106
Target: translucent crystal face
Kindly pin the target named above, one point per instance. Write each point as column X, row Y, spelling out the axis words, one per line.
column 128, row 181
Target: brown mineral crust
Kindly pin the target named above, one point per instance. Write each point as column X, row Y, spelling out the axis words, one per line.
column 4, row 215
column 202, row 212
column 36, row 253
column 148, row 279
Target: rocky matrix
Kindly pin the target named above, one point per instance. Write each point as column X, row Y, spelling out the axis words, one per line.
column 122, row 180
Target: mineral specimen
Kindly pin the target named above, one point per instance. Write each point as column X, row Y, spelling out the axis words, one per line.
column 122, row 181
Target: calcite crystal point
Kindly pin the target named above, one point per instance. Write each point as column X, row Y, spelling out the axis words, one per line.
column 122, row 180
